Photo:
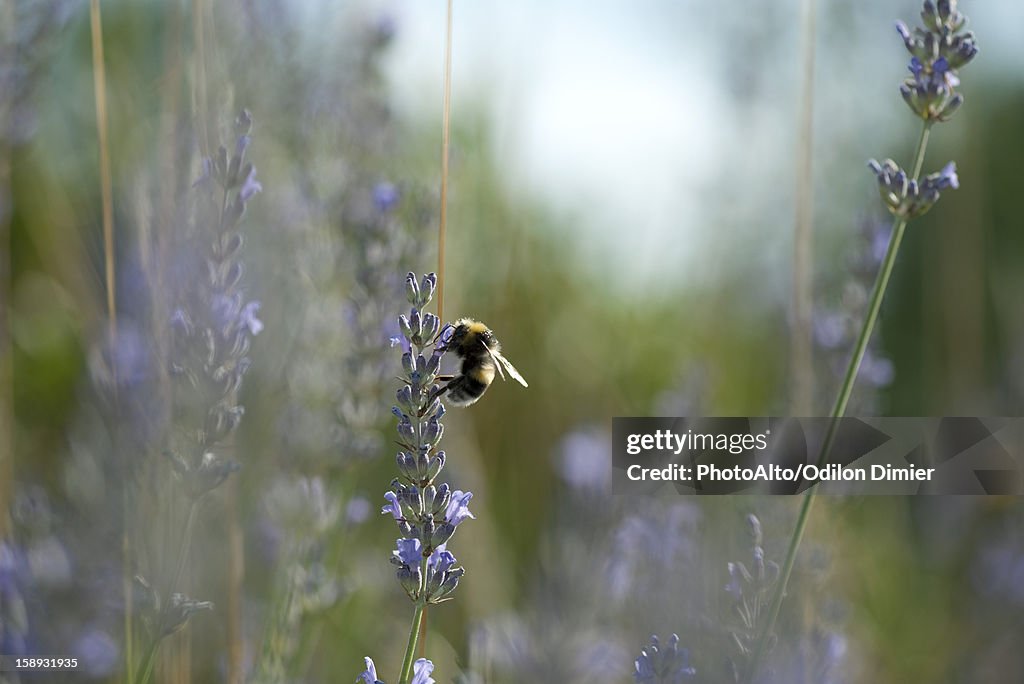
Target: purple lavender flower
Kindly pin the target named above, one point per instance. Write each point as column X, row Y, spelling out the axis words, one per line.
column 409, row 552
column 392, row 506
column 458, row 507
column 369, row 676
column 657, row 665
column 421, row 671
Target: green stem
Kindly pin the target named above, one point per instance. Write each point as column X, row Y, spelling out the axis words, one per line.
column 414, row 630
column 838, row 410
column 186, row 544
column 126, row 589
column 146, row 666
column 410, row 649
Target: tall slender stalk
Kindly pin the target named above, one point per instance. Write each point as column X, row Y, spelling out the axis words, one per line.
column 442, row 231
column 803, row 243
column 199, row 39
column 146, row 667
column 8, row 30
column 236, row 576
column 99, row 75
column 838, row 410
column 442, row 225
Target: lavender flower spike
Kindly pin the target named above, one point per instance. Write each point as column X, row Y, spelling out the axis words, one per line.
column 426, row 513
column 937, row 51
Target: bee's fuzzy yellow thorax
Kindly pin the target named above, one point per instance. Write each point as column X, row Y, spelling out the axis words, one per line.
column 471, row 325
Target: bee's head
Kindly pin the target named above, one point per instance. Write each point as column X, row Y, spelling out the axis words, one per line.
column 468, row 334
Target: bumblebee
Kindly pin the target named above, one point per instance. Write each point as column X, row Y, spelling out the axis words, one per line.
column 480, row 351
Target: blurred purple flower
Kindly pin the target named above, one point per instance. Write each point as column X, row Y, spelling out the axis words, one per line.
column 585, row 459
column 14, row 623
column 880, row 243
column 247, row 318
column 302, row 506
column 385, row 197
column 225, row 309
column 250, row 186
column 663, row 665
column 12, row 569
column 97, row 652
column 947, row 177
column 385, row 27
column 876, row 370
column 49, row 564
column 357, row 510
column 999, row 573
column 830, row 329
column 128, row 361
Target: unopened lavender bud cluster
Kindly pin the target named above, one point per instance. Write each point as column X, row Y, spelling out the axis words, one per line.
column 164, row 618
column 427, row 514
column 659, row 664
column 907, row 198
column 750, row 589
column 937, row 51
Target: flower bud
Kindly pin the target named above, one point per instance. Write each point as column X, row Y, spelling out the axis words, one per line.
column 412, row 291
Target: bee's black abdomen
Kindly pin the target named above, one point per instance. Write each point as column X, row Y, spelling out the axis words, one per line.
column 464, row 390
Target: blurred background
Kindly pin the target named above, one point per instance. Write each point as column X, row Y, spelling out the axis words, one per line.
column 623, row 192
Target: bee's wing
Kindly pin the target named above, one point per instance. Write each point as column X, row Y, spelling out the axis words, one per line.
column 498, row 358
column 502, row 361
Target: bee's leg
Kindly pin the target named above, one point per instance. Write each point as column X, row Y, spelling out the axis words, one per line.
column 441, row 390
column 445, row 378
